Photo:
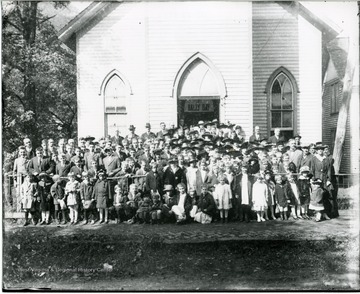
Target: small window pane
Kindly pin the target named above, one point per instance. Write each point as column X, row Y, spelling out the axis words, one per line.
column 115, row 93
column 276, row 119
column 276, row 101
column 287, row 96
column 287, row 119
column 276, row 95
column 281, row 78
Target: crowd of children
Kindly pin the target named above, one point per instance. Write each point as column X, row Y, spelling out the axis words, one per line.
column 200, row 174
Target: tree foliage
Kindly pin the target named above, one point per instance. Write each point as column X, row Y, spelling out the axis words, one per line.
column 39, row 78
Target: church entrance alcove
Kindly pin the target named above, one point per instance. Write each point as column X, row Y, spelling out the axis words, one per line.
column 198, row 93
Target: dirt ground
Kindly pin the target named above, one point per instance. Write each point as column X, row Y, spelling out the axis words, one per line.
column 134, row 257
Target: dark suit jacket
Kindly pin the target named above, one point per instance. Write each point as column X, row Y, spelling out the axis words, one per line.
column 273, row 139
column 154, row 182
column 170, row 178
column 253, row 139
column 88, row 157
column 63, row 171
column 236, row 186
column 33, row 165
column 112, row 165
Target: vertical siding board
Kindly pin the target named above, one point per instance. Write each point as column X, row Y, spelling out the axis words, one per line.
column 275, row 44
column 309, row 97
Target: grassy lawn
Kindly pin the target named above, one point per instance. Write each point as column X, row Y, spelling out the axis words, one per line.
column 112, row 262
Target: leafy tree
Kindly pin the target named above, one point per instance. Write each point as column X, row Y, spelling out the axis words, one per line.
column 39, row 77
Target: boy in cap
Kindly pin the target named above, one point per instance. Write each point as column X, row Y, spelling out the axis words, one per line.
column 86, row 192
column 304, row 190
column 57, row 192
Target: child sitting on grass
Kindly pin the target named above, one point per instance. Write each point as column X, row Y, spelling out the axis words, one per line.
column 156, row 209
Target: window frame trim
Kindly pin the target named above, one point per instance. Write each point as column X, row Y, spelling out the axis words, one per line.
column 267, row 91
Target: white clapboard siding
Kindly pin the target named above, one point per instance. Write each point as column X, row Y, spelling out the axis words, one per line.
column 219, row 30
column 275, row 44
column 309, row 98
column 116, row 41
column 148, row 43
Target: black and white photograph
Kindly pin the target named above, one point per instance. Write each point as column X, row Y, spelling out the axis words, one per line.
column 177, row 145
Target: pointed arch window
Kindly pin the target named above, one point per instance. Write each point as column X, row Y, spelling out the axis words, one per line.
column 115, row 106
column 282, row 103
column 115, row 96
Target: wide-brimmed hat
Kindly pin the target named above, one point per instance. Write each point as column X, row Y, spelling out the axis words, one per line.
column 317, row 181
column 131, row 127
column 304, row 169
column 89, row 138
column 172, row 159
column 101, row 172
column 147, row 125
column 168, row 188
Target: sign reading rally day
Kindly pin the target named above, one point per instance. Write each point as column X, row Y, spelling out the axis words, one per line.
column 199, row 106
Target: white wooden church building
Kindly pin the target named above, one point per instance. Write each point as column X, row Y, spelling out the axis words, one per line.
column 250, row 63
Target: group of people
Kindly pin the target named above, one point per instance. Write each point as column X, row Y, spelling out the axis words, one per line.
column 202, row 173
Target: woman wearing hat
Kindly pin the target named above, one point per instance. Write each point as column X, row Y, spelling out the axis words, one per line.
column 101, row 196
column 191, row 173
column 72, row 190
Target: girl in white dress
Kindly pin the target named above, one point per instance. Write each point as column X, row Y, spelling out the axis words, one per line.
column 259, row 197
column 223, row 196
column 72, row 189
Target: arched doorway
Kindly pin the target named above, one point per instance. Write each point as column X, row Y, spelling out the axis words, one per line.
column 199, row 91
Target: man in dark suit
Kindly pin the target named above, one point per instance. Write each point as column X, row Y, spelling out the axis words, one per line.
column 276, row 138
column 29, row 149
column 243, row 183
column 38, row 163
column 202, row 176
column 111, row 162
column 162, row 131
column 92, row 156
column 148, row 134
column 256, row 137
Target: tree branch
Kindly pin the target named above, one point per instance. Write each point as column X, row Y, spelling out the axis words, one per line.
column 46, row 19
column 14, row 25
column 54, row 114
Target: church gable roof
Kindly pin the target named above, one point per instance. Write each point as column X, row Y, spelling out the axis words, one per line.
column 67, row 33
